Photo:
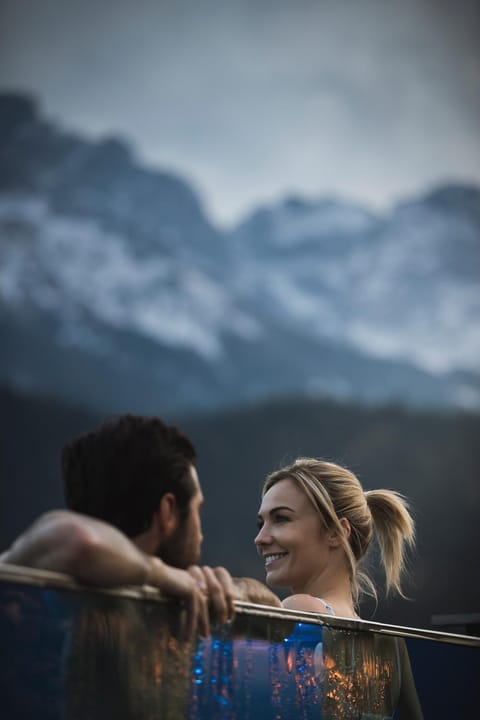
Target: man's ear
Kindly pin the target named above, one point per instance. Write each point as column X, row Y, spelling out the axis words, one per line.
column 166, row 517
column 334, row 539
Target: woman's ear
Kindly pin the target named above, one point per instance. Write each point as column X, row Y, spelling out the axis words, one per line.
column 334, row 539
column 347, row 528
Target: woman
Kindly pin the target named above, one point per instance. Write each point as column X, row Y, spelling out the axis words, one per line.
column 316, row 524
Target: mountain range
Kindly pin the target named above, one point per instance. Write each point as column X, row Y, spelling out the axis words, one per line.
column 118, row 292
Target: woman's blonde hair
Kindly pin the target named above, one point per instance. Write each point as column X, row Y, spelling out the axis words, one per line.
column 336, row 493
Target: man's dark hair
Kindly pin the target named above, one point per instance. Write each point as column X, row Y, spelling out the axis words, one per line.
column 120, row 471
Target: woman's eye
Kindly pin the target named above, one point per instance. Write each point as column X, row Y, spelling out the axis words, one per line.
column 281, row 518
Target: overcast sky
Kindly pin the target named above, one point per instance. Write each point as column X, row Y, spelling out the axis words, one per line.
column 368, row 99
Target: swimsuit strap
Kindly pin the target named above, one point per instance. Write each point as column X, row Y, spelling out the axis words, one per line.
column 330, row 610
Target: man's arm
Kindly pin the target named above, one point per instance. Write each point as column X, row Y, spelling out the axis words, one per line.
column 90, row 550
column 251, row 590
column 98, row 554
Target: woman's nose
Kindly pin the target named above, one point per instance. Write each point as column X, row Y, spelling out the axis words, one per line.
column 263, row 536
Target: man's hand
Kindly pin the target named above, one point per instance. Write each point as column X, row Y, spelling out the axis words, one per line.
column 251, row 590
column 217, row 587
column 221, row 590
column 182, row 585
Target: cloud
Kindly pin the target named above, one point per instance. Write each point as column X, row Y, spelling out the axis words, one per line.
column 366, row 99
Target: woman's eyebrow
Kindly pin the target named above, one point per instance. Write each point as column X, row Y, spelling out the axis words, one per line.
column 276, row 509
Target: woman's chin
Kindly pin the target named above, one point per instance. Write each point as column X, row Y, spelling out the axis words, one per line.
column 274, row 579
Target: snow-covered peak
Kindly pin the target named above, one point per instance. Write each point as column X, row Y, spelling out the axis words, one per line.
column 75, row 268
column 293, row 222
column 403, row 287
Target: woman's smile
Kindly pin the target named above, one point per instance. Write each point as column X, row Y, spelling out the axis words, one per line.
column 290, row 539
column 273, row 557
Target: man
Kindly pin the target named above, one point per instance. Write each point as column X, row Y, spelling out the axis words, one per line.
column 134, row 502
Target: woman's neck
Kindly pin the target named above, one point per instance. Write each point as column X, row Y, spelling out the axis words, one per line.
column 335, row 589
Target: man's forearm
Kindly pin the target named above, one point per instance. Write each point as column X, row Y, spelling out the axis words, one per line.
column 251, row 590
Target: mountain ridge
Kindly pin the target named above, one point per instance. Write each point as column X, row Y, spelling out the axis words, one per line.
column 118, row 268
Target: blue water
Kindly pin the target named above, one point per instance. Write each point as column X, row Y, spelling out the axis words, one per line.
column 66, row 654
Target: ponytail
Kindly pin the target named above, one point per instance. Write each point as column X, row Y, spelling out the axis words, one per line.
column 395, row 531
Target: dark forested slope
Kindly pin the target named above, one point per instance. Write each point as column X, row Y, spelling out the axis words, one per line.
column 433, row 458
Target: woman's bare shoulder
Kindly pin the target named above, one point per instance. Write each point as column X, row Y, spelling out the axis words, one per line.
column 304, row 602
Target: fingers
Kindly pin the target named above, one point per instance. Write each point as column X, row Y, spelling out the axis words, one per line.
column 217, row 586
column 226, row 582
column 200, row 599
column 196, row 573
column 217, row 594
column 197, row 613
column 184, row 586
column 199, row 588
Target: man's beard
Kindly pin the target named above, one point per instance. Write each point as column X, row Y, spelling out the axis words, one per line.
column 177, row 550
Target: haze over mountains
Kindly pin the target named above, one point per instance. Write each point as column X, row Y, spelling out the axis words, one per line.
column 118, row 294
column 116, row 291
